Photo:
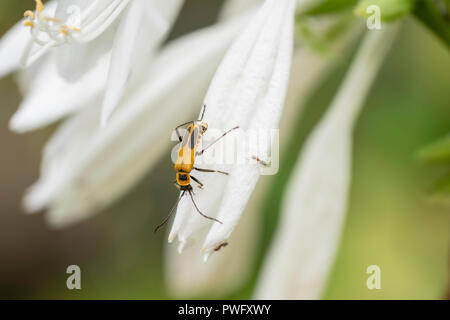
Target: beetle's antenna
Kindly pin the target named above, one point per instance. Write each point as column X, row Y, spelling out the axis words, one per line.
column 198, row 210
column 170, row 213
column 223, row 135
column 203, row 112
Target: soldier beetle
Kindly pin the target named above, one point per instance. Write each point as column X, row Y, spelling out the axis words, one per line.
column 186, row 160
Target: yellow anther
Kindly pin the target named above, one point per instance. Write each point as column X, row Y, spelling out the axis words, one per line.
column 28, row 24
column 52, row 19
column 64, row 29
column 39, row 6
column 74, row 29
column 29, row 14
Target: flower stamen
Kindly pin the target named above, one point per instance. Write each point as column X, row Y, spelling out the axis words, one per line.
column 65, row 29
column 39, row 6
column 48, row 28
column 29, row 14
column 51, row 19
column 82, row 24
column 28, row 24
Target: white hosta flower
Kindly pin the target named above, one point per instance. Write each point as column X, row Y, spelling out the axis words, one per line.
column 15, row 42
column 82, row 32
column 76, row 21
column 299, row 261
column 186, row 275
column 49, row 97
column 248, row 90
column 86, row 168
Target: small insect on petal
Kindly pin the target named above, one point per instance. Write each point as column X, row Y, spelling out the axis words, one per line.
column 302, row 254
column 258, row 100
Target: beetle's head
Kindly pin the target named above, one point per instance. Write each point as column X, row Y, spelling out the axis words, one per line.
column 204, row 127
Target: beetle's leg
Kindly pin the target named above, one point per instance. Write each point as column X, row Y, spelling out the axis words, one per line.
column 209, row 170
column 201, row 152
column 203, row 113
column 178, row 134
column 198, row 210
column 200, row 185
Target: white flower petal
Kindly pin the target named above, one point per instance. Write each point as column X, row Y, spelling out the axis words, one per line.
column 59, row 157
column 92, row 18
column 232, row 7
column 75, row 60
column 187, row 276
column 113, row 159
column 51, row 97
column 187, row 221
column 303, row 251
column 14, row 42
column 161, row 13
column 308, row 70
column 121, row 59
column 248, row 90
column 63, row 10
column 25, row 78
column 96, row 21
column 140, row 32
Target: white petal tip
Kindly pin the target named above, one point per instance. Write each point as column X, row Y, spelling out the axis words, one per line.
column 23, row 121
column 181, row 246
column 206, row 257
column 171, row 237
column 16, row 124
column 32, row 203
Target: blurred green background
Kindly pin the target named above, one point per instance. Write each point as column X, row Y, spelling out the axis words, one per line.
column 390, row 223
